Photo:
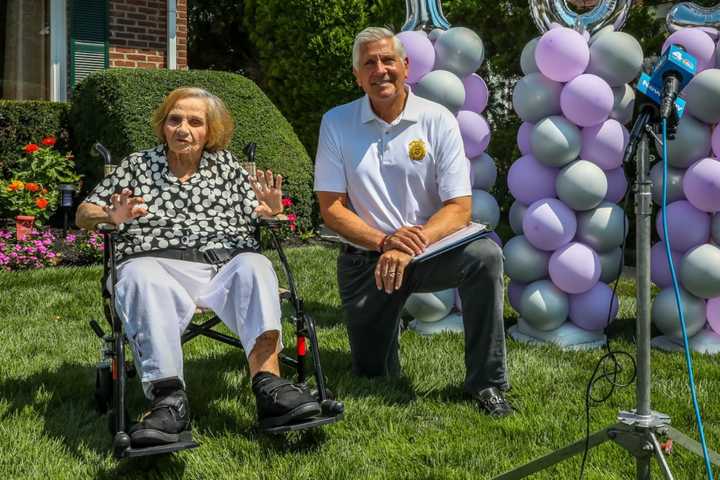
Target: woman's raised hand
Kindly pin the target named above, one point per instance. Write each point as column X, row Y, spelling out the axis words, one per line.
column 125, row 207
column 268, row 190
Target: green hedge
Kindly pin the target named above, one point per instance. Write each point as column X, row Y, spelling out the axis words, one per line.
column 114, row 107
column 29, row 121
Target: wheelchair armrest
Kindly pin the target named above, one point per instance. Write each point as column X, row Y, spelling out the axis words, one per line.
column 273, row 222
column 105, row 227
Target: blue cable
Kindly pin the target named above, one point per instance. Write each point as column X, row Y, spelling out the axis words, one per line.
column 676, row 290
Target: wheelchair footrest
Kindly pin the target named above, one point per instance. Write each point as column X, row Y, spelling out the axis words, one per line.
column 185, row 442
column 305, row 424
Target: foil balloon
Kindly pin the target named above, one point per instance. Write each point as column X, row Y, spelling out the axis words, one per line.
column 688, row 14
column 425, row 15
column 547, row 13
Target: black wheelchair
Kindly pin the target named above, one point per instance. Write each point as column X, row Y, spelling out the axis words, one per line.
column 114, row 369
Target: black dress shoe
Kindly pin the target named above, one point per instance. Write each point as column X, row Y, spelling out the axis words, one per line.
column 492, row 402
column 280, row 402
column 167, row 418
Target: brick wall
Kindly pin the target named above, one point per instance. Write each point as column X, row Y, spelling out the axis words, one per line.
column 138, row 33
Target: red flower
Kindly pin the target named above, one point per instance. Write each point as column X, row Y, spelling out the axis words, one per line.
column 49, row 141
column 31, row 148
column 41, row 203
column 287, row 202
column 32, row 187
column 292, row 217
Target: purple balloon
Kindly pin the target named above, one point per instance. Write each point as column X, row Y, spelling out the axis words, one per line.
column 697, row 43
column 420, row 52
column 476, row 93
column 514, row 292
column 587, row 100
column 523, row 137
column 590, row 310
column 701, row 185
column 574, row 268
column 713, row 314
column 659, row 269
column 617, row 184
column 688, row 226
column 604, row 144
column 549, row 224
column 496, row 238
column 715, row 141
column 562, row 54
column 530, row 180
column 475, row 132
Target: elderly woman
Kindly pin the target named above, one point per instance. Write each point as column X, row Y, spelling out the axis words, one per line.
column 179, row 207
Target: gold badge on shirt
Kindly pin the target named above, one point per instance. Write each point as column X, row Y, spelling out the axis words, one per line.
column 416, row 150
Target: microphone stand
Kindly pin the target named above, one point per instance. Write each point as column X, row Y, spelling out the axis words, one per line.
column 637, row 430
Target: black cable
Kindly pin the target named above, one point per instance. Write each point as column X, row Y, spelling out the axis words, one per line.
column 609, row 372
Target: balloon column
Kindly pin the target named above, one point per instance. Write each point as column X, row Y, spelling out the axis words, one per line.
column 693, row 210
column 443, row 63
column 574, row 101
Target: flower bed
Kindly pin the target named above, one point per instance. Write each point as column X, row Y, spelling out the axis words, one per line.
column 45, row 248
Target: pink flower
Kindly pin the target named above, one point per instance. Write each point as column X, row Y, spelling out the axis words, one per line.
column 287, row 202
column 292, row 217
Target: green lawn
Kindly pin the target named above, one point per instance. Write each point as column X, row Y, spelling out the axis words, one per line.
column 418, row 427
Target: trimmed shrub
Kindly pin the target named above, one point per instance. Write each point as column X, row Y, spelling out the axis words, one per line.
column 114, row 107
column 29, row 121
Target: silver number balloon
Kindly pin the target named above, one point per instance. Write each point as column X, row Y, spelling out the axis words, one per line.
column 424, row 15
column 606, row 12
column 688, row 14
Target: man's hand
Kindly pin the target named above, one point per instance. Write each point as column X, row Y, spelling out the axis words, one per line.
column 390, row 270
column 125, row 208
column 410, row 240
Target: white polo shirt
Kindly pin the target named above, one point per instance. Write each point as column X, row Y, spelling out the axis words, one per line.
column 370, row 160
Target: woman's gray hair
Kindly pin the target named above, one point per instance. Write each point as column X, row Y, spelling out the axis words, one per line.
column 373, row 34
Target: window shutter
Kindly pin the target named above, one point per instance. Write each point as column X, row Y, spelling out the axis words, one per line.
column 88, row 38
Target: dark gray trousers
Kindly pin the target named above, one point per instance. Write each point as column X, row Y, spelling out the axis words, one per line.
column 373, row 316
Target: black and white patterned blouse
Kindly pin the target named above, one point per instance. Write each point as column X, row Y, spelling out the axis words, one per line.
column 214, row 208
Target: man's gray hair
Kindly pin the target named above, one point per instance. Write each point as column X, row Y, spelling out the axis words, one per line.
column 373, row 34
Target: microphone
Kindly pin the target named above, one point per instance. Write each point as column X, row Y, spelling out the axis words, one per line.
column 673, row 71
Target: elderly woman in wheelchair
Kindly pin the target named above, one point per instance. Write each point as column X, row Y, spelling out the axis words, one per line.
column 185, row 214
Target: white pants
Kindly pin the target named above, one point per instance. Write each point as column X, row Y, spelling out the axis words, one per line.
column 157, row 297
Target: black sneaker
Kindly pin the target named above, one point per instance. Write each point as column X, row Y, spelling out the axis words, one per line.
column 167, row 418
column 280, row 402
column 492, row 402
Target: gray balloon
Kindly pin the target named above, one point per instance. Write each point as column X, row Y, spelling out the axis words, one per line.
column 665, row 313
column 599, row 33
column 675, row 183
column 527, row 58
column 517, row 211
column 435, row 33
column 602, row 228
column 616, row 58
column 624, row 104
column 536, row 97
column 582, row 185
column 430, row 307
column 523, row 262
column 715, row 228
column 442, row 87
column 692, row 142
column 460, row 51
column 700, row 271
column 555, row 141
column 485, row 208
column 703, row 96
column 610, row 267
column 483, row 172
column 544, row 306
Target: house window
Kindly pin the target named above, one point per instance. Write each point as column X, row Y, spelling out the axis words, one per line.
column 24, row 49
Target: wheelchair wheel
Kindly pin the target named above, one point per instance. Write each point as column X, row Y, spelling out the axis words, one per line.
column 103, row 388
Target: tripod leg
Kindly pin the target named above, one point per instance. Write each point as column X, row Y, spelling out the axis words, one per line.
column 557, row 456
column 664, row 468
column 692, row 445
